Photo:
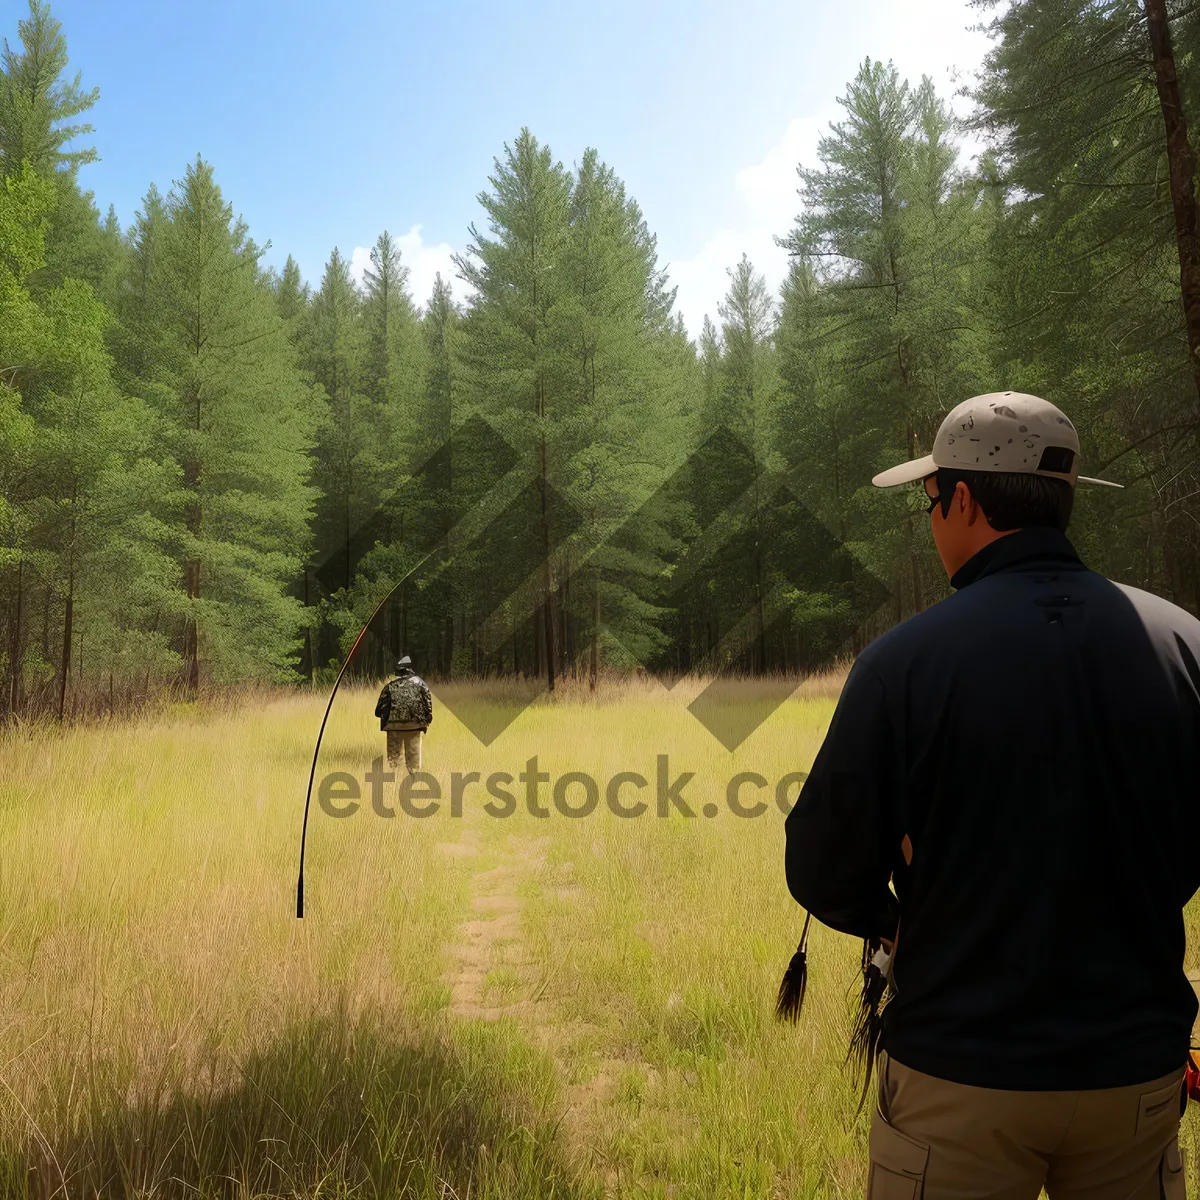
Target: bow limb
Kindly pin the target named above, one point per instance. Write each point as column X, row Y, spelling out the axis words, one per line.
column 317, row 750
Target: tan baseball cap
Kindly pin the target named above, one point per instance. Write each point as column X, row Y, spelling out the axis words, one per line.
column 1011, row 432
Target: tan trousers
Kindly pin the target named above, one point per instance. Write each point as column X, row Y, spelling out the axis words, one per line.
column 933, row 1140
column 406, row 742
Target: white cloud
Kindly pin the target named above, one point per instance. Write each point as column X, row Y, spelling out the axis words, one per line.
column 920, row 38
column 423, row 263
column 767, row 197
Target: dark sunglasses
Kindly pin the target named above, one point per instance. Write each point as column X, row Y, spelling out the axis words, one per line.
column 946, row 482
column 941, row 484
column 936, row 499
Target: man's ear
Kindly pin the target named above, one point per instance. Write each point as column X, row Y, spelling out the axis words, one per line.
column 969, row 505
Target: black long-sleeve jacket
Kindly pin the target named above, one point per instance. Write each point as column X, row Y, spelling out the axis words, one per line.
column 1037, row 736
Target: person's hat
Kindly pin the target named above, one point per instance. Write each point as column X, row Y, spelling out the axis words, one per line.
column 405, row 662
column 1011, row 432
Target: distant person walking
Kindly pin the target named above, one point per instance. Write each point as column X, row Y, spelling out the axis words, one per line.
column 405, row 711
column 1022, row 760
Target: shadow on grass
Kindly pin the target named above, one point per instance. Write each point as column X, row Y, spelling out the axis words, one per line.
column 327, row 1110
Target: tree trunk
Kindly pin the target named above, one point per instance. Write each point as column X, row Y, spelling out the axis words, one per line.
column 594, row 659
column 547, row 610
column 404, row 618
column 191, row 573
column 1182, row 168
column 191, row 640
column 564, row 631
column 759, row 613
column 191, row 481
column 308, row 666
column 65, row 665
column 536, row 639
column 448, row 640
column 348, row 579
column 14, row 655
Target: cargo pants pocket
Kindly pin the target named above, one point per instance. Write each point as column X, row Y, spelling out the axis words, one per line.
column 1170, row 1173
column 1159, row 1105
column 898, row 1163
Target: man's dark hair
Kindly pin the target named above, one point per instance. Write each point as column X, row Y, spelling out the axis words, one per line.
column 1011, row 501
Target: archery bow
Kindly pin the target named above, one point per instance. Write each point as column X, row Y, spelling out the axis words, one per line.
column 317, row 750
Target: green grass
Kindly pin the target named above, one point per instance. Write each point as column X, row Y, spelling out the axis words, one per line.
column 171, row 1030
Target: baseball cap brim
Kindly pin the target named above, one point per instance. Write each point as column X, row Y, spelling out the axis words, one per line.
column 908, row 472
column 919, row 468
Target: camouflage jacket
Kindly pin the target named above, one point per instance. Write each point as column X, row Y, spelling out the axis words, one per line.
column 405, row 702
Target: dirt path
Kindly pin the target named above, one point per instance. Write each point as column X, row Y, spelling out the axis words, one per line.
column 494, row 973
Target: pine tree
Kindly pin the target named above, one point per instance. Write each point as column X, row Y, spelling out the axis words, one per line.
column 136, row 341
column 33, row 101
column 513, row 368
column 710, row 366
column 26, row 204
column 393, row 370
column 436, row 442
column 72, row 453
column 331, row 342
column 85, row 427
column 623, row 423
column 1079, row 133
column 26, row 201
column 748, row 392
column 440, row 329
column 392, row 388
column 239, row 422
column 1087, row 253
column 391, row 360
column 902, row 304
column 292, row 294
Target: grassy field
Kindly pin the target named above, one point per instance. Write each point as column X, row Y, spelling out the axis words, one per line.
column 473, row 1006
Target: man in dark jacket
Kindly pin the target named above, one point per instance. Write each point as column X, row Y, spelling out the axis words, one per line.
column 405, row 711
column 1022, row 761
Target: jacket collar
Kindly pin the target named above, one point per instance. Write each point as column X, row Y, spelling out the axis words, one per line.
column 1005, row 552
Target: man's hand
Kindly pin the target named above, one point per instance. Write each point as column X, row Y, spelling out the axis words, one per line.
column 906, row 850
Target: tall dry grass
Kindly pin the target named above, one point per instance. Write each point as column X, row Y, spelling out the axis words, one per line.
column 170, row 1029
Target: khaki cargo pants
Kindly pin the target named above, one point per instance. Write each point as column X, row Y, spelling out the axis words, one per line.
column 406, row 742
column 933, row 1140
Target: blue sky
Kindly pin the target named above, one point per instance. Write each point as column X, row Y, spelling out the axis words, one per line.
column 329, row 122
